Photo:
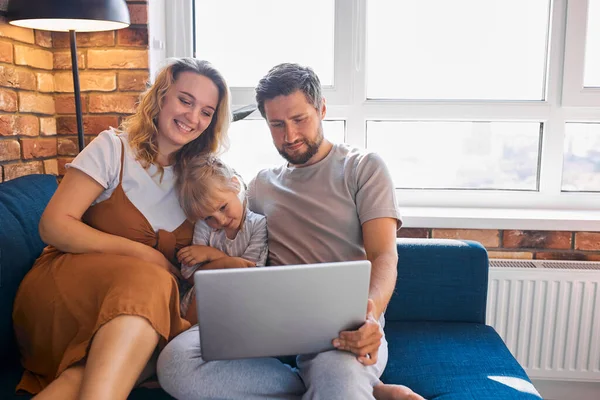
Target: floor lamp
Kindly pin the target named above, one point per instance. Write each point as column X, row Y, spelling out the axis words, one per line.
column 70, row 16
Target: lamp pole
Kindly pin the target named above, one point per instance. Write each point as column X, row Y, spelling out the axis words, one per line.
column 77, row 91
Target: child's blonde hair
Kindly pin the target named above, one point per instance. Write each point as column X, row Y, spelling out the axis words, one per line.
column 197, row 182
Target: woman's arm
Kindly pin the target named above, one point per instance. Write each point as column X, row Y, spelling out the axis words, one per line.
column 61, row 225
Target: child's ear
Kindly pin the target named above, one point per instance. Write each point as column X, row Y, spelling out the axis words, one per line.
column 242, row 191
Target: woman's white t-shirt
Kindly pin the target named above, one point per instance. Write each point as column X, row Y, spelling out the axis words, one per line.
column 154, row 197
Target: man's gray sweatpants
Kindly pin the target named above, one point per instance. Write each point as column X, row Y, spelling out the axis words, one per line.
column 329, row 375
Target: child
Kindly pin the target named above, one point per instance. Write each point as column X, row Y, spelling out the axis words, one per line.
column 226, row 233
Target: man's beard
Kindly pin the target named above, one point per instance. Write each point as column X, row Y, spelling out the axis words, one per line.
column 312, row 149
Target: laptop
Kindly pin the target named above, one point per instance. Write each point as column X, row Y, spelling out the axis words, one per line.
column 279, row 311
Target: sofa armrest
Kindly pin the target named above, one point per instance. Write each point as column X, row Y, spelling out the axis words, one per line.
column 440, row 280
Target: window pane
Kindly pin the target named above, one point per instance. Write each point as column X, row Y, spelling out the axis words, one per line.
column 459, row 49
column 458, row 155
column 581, row 166
column 592, row 46
column 251, row 147
column 250, row 37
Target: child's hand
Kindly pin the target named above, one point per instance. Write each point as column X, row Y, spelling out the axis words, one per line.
column 192, row 255
column 238, row 262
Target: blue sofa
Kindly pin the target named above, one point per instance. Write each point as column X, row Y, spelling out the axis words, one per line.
column 439, row 344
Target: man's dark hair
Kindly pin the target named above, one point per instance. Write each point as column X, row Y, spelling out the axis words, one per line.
column 285, row 79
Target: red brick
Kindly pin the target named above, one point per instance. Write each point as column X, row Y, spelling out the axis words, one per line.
column 92, row 124
column 16, row 78
column 62, row 59
column 12, row 171
column 487, row 237
column 67, row 146
column 84, row 39
column 537, row 239
column 413, row 233
column 8, row 100
column 133, row 81
column 516, row 255
column 567, row 255
column 48, row 126
column 587, row 241
column 117, row 59
column 9, row 150
column 17, row 33
column 88, row 81
column 51, row 167
column 43, row 38
column 36, row 103
column 38, row 148
column 61, row 164
column 138, row 13
column 6, row 52
column 7, row 125
column 65, row 104
column 27, row 125
column 33, row 57
column 117, row 103
column 132, row 37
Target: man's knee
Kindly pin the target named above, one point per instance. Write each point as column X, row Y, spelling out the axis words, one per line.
column 176, row 365
column 336, row 369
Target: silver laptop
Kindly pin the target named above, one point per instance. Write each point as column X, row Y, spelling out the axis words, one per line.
column 279, row 311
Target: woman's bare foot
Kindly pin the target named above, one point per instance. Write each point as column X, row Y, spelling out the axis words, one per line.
column 394, row 392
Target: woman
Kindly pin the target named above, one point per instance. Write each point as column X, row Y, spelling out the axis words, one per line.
column 102, row 299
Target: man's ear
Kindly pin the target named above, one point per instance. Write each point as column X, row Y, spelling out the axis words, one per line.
column 323, row 108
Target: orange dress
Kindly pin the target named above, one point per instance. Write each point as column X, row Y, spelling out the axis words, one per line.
column 66, row 298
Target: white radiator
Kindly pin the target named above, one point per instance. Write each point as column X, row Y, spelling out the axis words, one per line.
column 548, row 314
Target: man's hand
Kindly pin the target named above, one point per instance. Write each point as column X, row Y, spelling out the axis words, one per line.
column 363, row 342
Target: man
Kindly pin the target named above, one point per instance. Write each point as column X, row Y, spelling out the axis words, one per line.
column 329, row 203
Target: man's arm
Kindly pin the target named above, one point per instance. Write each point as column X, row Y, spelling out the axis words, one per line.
column 379, row 236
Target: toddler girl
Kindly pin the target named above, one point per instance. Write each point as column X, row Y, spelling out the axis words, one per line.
column 226, row 233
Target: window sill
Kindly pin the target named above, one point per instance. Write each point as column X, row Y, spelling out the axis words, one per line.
column 484, row 218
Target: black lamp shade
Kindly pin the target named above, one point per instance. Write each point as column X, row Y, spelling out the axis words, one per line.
column 65, row 15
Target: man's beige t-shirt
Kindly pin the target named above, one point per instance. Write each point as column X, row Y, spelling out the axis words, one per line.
column 315, row 213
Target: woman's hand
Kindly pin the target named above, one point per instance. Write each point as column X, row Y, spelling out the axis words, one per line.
column 196, row 254
column 154, row 256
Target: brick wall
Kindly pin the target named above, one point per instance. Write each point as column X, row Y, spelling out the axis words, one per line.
column 38, row 129
column 515, row 244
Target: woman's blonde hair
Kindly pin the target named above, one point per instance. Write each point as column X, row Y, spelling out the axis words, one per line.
column 200, row 179
column 142, row 127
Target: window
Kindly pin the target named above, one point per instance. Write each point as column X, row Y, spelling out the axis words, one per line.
column 581, row 169
column 259, row 34
column 458, row 155
column 591, row 77
column 463, row 50
column 472, row 103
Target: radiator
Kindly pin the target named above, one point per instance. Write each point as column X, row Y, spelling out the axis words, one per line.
column 548, row 314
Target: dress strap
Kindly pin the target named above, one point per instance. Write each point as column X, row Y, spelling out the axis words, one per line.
column 122, row 160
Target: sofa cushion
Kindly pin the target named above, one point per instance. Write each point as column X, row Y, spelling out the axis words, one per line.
column 22, row 202
column 454, row 361
column 440, row 280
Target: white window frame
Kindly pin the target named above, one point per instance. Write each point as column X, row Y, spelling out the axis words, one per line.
column 547, row 208
column 575, row 94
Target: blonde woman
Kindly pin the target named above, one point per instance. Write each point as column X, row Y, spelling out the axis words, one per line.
column 102, row 298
